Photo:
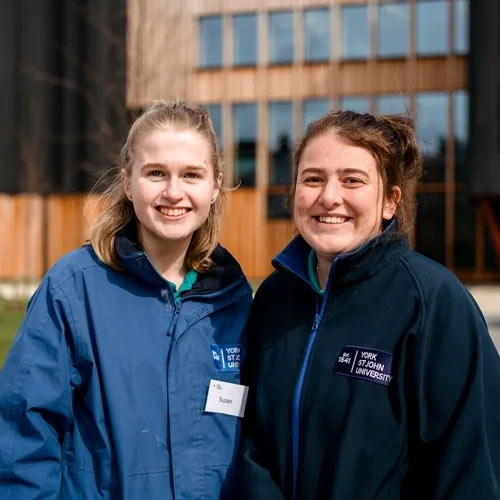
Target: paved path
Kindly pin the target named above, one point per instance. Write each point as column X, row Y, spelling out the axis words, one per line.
column 488, row 298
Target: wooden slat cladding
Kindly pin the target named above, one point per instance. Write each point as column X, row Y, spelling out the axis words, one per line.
column 21, row 227
column 41, row 230
column 315, row 80
column 210, row 7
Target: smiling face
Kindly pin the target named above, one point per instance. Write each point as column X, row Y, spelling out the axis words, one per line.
column 171, row 186
column 338, row 203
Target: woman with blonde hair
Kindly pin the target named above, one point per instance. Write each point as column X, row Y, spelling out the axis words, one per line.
column 114, row 383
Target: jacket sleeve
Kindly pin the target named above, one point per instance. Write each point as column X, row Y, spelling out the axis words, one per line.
column 457, row 383
column 251, row 473
column 35, row 400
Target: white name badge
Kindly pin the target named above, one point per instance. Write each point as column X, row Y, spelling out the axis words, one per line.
column 227, row 398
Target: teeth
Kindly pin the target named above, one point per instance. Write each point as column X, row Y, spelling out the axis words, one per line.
column 332, row 220
column 172, row 212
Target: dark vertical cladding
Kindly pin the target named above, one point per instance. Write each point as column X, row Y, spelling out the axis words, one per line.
column 62, row 68
column 484, row 75
column 8, row 93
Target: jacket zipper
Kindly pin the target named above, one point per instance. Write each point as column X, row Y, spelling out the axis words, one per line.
column 297, row 397
column 173, row 323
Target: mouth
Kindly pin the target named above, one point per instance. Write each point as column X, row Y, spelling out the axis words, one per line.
column 173, row 212
column 332, row 219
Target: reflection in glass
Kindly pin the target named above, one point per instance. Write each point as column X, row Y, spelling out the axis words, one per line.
column 430, row 226
column 314, row 109
column 432, row 27
column 355, row 32
column 360, row 104
column 461, row 125
column 281, row 37
column 396, row 104
column 278, row 206
column 317, row 35
column 215, row 112
column 245, row 143
column 210, row 42
column 432, row 130
column 280, row 142
column 245, row 39
column 393, row 29
column 465, row 231
column 461, row 42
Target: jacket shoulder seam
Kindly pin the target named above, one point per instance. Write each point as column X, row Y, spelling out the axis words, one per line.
column 420, row 292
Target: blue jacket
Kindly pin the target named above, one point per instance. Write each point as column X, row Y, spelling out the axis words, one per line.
column 103, row 392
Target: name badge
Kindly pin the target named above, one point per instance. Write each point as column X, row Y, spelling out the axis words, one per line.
column 365, row 363
column 227, row 398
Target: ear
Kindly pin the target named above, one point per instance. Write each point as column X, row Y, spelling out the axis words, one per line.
column 217, row 186
column 391, row 203
column 126, row 184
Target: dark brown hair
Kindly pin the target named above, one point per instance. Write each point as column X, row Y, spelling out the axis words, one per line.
column 392, row 142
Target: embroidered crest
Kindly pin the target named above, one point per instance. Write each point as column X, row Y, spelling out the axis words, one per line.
column 365, row 363
column 227, row 357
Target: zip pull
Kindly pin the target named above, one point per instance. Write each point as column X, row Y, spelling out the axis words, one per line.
column 317, row 319
column 173, row 323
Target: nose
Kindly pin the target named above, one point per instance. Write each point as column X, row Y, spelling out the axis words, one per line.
column 172, row 190
column 331, row 194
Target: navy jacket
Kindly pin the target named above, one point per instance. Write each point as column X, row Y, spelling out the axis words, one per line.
column 387, row 387
column 103, row 392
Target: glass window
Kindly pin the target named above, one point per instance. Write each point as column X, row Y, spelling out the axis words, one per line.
column 278, row 206
column 314, row 109
column 392, row 104
column 465, row 232
column 432, row 130
column 280, row 142
column 245, row 143
column 461, row 125
column 215, row 112
column 393, row 29
column 355, row 32
column 360, row 104
column 317, row 39
column 245, row 39
column 432, row 27
column 281, row 37
column 210, row 42
column 430, row 226
column 461, row 42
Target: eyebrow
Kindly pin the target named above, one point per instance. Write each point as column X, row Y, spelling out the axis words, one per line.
column 346, row 170
column 352, row 170
column 163, row 165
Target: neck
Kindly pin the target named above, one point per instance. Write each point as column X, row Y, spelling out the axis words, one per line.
column 169, row 259
column 322, row 271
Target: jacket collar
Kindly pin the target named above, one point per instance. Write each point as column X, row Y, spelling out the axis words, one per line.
column 359, row 264
column 135, row 261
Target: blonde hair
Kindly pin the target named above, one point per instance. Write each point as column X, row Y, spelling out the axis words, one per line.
column 119, row 211
column 392, row 142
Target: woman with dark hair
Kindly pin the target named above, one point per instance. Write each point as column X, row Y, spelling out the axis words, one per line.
column 112, row 385
column 371, row 370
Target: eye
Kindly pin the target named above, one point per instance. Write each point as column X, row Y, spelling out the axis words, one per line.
column 352, row 181
column 155, row 173
column 312, row 180
column 192, row 175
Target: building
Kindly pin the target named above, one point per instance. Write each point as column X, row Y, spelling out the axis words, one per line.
column 264, row 69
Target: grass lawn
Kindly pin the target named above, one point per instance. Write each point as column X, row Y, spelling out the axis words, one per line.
column 11, row 315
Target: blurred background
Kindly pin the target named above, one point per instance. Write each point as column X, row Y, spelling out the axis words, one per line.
column 75, row 73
